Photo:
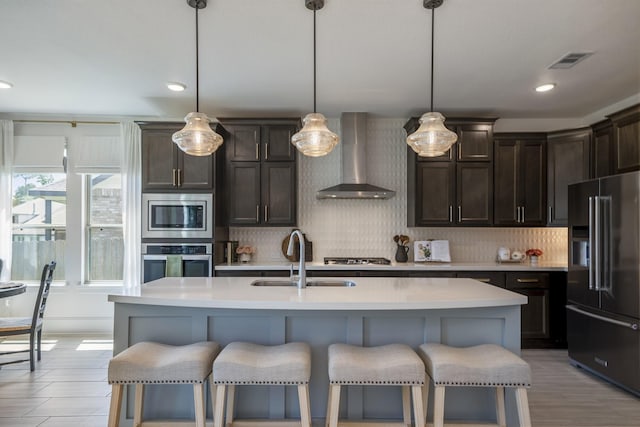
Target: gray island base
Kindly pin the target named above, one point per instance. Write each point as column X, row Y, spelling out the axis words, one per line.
column 377, row 311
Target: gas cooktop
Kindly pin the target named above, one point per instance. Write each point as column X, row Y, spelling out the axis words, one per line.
column 356, row 261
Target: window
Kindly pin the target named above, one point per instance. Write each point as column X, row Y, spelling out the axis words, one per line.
column 66, row 202
column 39, row 211
column 105, row 243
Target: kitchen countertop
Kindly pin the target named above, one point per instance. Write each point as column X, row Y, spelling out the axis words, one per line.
column 408, row 266
column 368, row 294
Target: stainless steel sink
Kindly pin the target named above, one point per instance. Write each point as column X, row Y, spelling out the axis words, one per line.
column 316, row 283
column 343, row 283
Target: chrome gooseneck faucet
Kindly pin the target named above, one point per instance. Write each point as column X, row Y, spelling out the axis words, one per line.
column 302, row 274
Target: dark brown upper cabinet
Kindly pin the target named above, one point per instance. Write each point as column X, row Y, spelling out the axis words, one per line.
column 256, row 142
column 520, row 179
column 568, row 154
column 167, row 168
column 261, row 172
column 602, row 150
column 457, row 188
column 626, row 136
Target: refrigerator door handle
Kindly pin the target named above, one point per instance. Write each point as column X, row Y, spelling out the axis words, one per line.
column 593, row 259
column 597, row 251
column 633, row 326
column 605, row 242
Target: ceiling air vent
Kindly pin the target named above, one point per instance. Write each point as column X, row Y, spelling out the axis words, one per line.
column 569, row 60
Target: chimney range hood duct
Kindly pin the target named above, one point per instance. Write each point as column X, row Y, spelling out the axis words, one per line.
column 354, row 163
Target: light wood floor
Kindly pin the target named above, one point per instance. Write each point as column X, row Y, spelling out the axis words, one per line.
column 69, row 389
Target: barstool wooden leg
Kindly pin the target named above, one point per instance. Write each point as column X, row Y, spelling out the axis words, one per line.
column 418, row 408
column 334, row 405
column 438, row 407
column 523, row 407
column 425, row 397
column 218, row 411
column 231, row 403
column 212, row 390
column 137, row 410
column 305, row 409
column 199, row 405
column 501, row 418
column 406, row 405
column 115, row 405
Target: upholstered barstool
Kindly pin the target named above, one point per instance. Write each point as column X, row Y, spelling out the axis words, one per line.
column 243, row 363
column 486, row 365
column 392, row 364
column 154, row 363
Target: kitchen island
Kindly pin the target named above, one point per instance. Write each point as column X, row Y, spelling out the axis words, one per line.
column 376, row 311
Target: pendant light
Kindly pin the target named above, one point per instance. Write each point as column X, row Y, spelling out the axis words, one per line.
column 314, row 139
column 432, row 138
column 197, row 138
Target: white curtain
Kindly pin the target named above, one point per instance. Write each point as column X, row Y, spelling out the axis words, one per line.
column 6, row 164
column 131, row 204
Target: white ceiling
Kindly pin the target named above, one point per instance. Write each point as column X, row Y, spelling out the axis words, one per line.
column 114, row 57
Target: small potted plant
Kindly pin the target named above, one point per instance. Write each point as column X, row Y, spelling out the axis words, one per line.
column 245, row 253
column 533, row 255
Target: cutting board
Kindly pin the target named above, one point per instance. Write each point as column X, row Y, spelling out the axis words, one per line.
column 308, row 249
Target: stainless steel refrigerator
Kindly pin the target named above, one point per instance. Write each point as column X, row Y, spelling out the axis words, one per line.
column 603, row 288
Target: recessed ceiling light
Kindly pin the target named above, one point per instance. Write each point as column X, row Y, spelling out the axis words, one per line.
column 5, row 85
column 545, row 87
column 176, row 87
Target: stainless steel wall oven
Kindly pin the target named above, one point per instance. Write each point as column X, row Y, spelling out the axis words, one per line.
column 196, row 259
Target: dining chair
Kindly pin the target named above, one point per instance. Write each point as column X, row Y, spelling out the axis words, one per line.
column 30, row 325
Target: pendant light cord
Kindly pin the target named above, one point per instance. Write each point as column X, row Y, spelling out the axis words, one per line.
column 433, row 23
column 314, row 61
column 197, row 65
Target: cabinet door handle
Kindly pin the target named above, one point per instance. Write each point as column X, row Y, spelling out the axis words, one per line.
column 550, row 214
column 257, row 213
column 266, row 151
column 173, row 178
column 257, row 151
column 179, row 177
column 450, row 213
column 523, row 216
column 484, row 280
column 518, row 214
column 528, row 280
column 459, row 213
column 266, row 213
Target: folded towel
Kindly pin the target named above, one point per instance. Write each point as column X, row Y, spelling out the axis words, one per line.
column 174, row 266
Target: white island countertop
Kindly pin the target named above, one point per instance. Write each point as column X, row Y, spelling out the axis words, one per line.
column 368, row 294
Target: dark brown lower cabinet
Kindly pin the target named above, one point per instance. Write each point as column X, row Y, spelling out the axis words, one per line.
column 543, row 321
column 491, row 277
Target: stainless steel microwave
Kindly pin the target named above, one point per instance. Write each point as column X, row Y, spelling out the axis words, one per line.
column 177, row 216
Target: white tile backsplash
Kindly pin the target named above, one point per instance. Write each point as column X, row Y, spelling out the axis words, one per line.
column 366, row 227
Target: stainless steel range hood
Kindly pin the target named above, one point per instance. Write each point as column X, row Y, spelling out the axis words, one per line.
column 354, row 163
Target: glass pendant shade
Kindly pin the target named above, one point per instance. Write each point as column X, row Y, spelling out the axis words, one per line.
column 197, row 138
column 432, row 138
column 315, row 139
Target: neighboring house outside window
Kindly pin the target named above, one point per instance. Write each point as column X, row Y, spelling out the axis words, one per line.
column 39, row 224
column 105, row 244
